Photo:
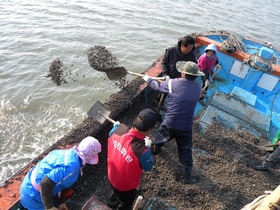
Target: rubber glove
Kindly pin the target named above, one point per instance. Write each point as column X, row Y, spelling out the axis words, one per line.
column 218, row 66
column 166, row 77
column 207, row 82
column 148, row 141
column 146, row 77
column 116, row 125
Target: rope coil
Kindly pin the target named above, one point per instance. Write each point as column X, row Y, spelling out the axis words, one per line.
column 230, row 43
column 228, row 47
column 259, row 63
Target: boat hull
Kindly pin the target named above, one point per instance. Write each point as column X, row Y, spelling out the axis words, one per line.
column 241, row 97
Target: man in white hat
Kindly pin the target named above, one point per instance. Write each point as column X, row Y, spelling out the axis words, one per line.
column 59, row 170
column 183, row 94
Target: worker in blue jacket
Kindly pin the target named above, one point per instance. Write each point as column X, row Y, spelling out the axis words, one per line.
column 60, row 169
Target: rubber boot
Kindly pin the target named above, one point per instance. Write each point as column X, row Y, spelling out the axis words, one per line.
column 263, row 167
column 188, row 179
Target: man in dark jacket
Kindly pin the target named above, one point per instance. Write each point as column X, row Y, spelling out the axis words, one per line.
column 183, row 94
column 128, row 156
column 183, row 51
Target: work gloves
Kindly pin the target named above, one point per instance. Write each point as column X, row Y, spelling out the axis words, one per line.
column 116, row 125
column 148, row 141
column 218, row 66
column 146, row 77
column 166, row 77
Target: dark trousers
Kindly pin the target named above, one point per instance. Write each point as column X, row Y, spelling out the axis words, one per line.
column 207, row 76
column 183, row 140
column 274, row 156
column 126, row 198
column 204, row 78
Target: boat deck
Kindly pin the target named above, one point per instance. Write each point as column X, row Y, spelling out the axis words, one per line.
column 239, row 96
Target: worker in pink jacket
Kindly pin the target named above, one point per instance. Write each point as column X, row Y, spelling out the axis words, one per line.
column 206, row 63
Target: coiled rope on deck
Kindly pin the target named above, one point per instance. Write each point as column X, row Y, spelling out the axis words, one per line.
column 259, row 63
column 232, row 43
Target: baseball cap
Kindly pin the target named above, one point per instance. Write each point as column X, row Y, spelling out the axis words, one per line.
column 145, row 120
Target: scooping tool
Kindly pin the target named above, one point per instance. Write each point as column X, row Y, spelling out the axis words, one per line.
column 101, row 59
column 94, row 203
column 100, row 113
column 142, row 75
column 120, row 72
column 138, row 202
column 271, row 145
column 267, row 146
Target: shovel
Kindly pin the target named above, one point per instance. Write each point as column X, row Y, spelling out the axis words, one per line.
column 94, row 203
column 103, row 60
column 119, row 72
column 138, row 202
column 267, row 147
column 271, row 145
column 100, row 113
column 142, row 75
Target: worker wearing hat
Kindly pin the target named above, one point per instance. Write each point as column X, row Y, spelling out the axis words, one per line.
column 128, row 156
column 59, row 170
column 206, row 63
column 183, row 94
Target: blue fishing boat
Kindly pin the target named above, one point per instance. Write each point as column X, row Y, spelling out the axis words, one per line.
column 244, row 95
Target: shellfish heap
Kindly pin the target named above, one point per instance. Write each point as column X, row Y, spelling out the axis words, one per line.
column 56, row 72
column 102, row 59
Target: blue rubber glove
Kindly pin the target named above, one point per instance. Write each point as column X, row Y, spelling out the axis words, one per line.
column 116, row 125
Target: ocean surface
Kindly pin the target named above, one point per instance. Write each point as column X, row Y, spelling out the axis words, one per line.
column 35, row 112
